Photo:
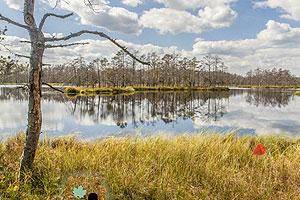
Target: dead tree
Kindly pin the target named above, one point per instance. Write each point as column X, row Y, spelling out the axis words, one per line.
column 38, row 45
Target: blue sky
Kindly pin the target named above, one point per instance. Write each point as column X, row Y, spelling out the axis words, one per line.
column 246, row 34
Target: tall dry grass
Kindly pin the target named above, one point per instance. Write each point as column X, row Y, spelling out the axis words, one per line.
column 186, row 167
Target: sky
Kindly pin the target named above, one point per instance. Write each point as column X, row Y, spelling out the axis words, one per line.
column 246, row 34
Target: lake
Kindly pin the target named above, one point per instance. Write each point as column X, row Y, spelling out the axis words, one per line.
column 248, row 111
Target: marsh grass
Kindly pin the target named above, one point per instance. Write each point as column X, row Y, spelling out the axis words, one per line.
column 186, row 167
column 73, row 91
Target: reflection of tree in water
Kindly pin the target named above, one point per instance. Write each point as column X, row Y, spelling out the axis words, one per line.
column 268, row 97
column 149, row 108
column 13, row 94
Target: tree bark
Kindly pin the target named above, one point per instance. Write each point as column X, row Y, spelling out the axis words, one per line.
column 34, row 102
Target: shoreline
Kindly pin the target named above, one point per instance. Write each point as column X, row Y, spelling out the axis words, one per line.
column 130, row 89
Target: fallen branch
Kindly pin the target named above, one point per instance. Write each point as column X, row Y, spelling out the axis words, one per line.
column 53, row 87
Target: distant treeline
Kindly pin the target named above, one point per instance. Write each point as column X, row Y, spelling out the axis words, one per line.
column 168, row 70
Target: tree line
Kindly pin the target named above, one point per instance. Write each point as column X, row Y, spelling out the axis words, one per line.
column 167, row 70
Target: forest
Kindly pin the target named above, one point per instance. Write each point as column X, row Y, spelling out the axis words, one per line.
column 167, row 70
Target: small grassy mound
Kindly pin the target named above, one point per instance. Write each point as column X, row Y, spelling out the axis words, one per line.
column 187, row 167
column 72, row 90
column 119, row 90
column 131, row 90
column 297, row 93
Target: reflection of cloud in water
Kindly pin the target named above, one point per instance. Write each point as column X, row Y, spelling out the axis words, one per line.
column 264, row 111
column 13, row 115
column 265, row 120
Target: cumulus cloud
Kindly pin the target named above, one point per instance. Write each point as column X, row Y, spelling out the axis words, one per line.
column 276, row 46
column 180, row 21
column 175, row 17
column 275, row 35
column 290, row 7
column 193, row 4
column 116, row 19
column 279, row 34
column 132, row 3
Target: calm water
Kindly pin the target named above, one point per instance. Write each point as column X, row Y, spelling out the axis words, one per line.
column 252, row 111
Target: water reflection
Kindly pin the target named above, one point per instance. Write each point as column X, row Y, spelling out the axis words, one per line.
column 253, row 111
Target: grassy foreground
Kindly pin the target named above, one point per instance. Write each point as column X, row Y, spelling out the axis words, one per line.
column 186, row 167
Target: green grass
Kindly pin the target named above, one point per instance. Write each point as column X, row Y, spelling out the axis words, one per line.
column 186, row 167
column 297, row 93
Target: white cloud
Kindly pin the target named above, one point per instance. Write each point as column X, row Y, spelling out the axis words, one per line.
column 116, row 19
column 179, row 21
column 132, row 3
column 53, row 35
column 276, row 46
column 15, row 4
column 279, row 34
column 193, row 4
column 246, row 116
column 237, row 48
column 290, row 7
column 275, row 35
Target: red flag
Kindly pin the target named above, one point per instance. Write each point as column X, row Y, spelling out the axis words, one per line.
column 259, row 150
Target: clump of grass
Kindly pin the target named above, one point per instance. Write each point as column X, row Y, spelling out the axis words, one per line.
column 187, row 167
column 118, row 90
column 72, row 90
column 146, row 88
column 297, row 93
column 98, row 90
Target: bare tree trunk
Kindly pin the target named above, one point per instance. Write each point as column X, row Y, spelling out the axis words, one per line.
column 37, row 41
column 34, row 105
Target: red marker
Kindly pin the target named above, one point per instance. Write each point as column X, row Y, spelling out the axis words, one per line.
column 259, row 150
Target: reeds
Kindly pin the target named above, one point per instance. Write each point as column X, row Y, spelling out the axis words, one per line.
column 187, row 167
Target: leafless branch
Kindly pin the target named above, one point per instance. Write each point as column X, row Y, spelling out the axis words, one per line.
column 91, row 5
column 58, row 1
column 64, row 45
column 54, row 15
column 101, row 34
column 19, row 55
column 24, row 87
column 44, row 64
column 24, row 41
column 13, row 22
column 53, row 87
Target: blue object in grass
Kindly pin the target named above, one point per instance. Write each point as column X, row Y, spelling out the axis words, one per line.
column 79, row 192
